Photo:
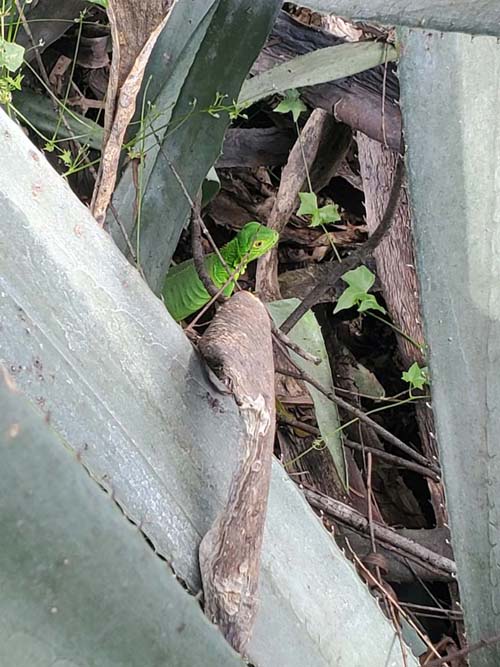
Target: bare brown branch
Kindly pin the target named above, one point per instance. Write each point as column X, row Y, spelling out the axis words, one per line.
column 230, row 551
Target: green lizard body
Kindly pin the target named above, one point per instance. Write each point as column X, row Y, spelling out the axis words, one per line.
column 184, row 293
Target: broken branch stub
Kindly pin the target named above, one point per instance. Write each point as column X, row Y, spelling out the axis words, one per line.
column 237, row 345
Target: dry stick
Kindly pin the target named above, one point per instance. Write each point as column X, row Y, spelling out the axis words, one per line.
column 378, row 453
column 127, row 239
column 357, row 258
column 283, row 338
column 351, row 517
column 369, row 496
column 393, row 610
column 433, row 612
column 38, row 57
column 482, row 643
column 125, row 108
column 396, row 460
column 229, row 553
column 295, row 173
column 359, row 414
column 198, row 255
column 393, row 601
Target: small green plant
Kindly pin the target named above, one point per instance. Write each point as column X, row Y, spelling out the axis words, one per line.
column 11, row 54
column 101, row 3
column 319, row 215
column 360, row 280
column 234, row 110
column 7, row 85
column 416, row 377
column 291, row 103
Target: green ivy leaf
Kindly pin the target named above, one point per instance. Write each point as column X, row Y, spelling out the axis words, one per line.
column 416, row 376
column 291, row 103
column 329, row 213
column 308, row 203
column 324, row 215
column 347, row 299
column 11, row 55
column 369, row 302
column 361, row 278
column 319, row 216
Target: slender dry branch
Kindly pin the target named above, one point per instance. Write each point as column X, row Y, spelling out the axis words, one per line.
column 299, row 374
column 482, row 643
column 198, row 256
column 351, row 517
column 230, row 551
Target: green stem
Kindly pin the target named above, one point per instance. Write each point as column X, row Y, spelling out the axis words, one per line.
column 411, row 399
column 140, row 178
column 334, row 247
column 309, row 184
column 397, row 330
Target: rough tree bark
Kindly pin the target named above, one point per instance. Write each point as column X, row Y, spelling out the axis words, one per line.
column 319, row 131
column 356, row 100
column 396, row 270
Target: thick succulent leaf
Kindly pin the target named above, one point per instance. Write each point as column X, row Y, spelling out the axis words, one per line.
column 478, row 18
column 216, row 60
column 321, row 66
column 78, row 579
column 455, row 197
column 307, row 334
column 90, row 344
column 39, row 111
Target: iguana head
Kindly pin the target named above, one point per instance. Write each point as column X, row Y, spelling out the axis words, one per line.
column 254, row 240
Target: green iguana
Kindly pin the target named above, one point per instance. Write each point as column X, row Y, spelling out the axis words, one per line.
column 184, row 293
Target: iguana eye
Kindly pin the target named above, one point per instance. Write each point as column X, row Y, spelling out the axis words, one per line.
column 258, row 244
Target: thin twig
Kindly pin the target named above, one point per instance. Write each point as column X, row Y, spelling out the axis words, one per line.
column 369, row 496
column 393, row 600
column 283, row 338
column 433, row 612
column 396, row 460
column 384, row 84
column 299, row 374
column 38, row 57
column 127, row 239
column 357, row 258
column 191, row 203
column 198, row 256
column 482, row 643
column 387, row 536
